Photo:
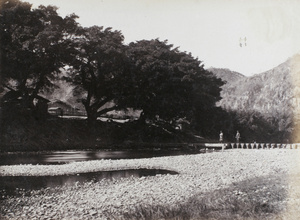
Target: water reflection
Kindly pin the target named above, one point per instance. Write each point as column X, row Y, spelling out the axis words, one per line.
column 15, row 185
column 57, row 157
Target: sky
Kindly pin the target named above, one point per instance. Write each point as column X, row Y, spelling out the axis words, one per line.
column 247, row 36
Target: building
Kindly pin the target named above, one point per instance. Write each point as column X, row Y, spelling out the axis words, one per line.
column 55, row 111
column 58, row 107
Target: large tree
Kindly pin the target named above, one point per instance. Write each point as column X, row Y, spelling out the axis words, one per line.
column 33, row 46
column 99, row 71
column 170, row 84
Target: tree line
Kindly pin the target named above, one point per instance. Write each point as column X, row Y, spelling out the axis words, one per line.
column 150, row 75
column 38, row 46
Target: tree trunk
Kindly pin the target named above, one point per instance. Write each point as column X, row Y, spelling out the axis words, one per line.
column 91, row 122
column 91, row 117
column 142, row 119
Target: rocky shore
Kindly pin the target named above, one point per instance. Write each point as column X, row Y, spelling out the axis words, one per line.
column 198, row 174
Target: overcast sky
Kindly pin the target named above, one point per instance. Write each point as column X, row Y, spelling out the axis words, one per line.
column 212, row 30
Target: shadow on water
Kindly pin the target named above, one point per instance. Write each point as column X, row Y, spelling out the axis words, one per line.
column 59, row 157
column 17, row 185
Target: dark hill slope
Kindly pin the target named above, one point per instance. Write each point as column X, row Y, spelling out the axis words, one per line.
column 275, row 94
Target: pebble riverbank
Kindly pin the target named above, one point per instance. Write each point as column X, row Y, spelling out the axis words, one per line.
column 197, row 174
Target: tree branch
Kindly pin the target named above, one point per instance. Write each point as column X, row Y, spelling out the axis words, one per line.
column 103, row 111
column 6, row 86
column 97, row 105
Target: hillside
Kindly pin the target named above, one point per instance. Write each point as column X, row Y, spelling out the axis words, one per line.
column 226, row 75
column 275, row 94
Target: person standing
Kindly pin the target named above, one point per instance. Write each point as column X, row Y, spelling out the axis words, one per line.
column 237, row 136
column 221, row 136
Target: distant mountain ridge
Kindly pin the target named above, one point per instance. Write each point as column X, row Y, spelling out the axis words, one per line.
column 226, row 75
column 275, row 94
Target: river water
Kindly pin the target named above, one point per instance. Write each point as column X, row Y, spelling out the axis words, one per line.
column 59, row 157
column 18, row 185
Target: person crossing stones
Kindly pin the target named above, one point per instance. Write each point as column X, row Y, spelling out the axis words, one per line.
column 237, row 137
column 221, row 136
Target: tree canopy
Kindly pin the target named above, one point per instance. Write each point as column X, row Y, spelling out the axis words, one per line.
column 152, row 76
column 98, row 70
column 33, row 43
column 170, row 84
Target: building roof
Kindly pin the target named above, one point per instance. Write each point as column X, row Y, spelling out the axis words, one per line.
column 54, row 108
column 64, row 104
column 42, row 98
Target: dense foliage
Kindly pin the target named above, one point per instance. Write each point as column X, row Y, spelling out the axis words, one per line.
column 170, row 84
column 98, row 70
column 33, row 43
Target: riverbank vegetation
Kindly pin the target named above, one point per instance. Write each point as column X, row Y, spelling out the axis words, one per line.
column 55, row 133
column 66, row 134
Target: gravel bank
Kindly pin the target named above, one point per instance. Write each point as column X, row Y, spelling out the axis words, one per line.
column 197, row 174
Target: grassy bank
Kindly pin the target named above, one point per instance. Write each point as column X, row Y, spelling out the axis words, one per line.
column 258, row 198
column 29, row 134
